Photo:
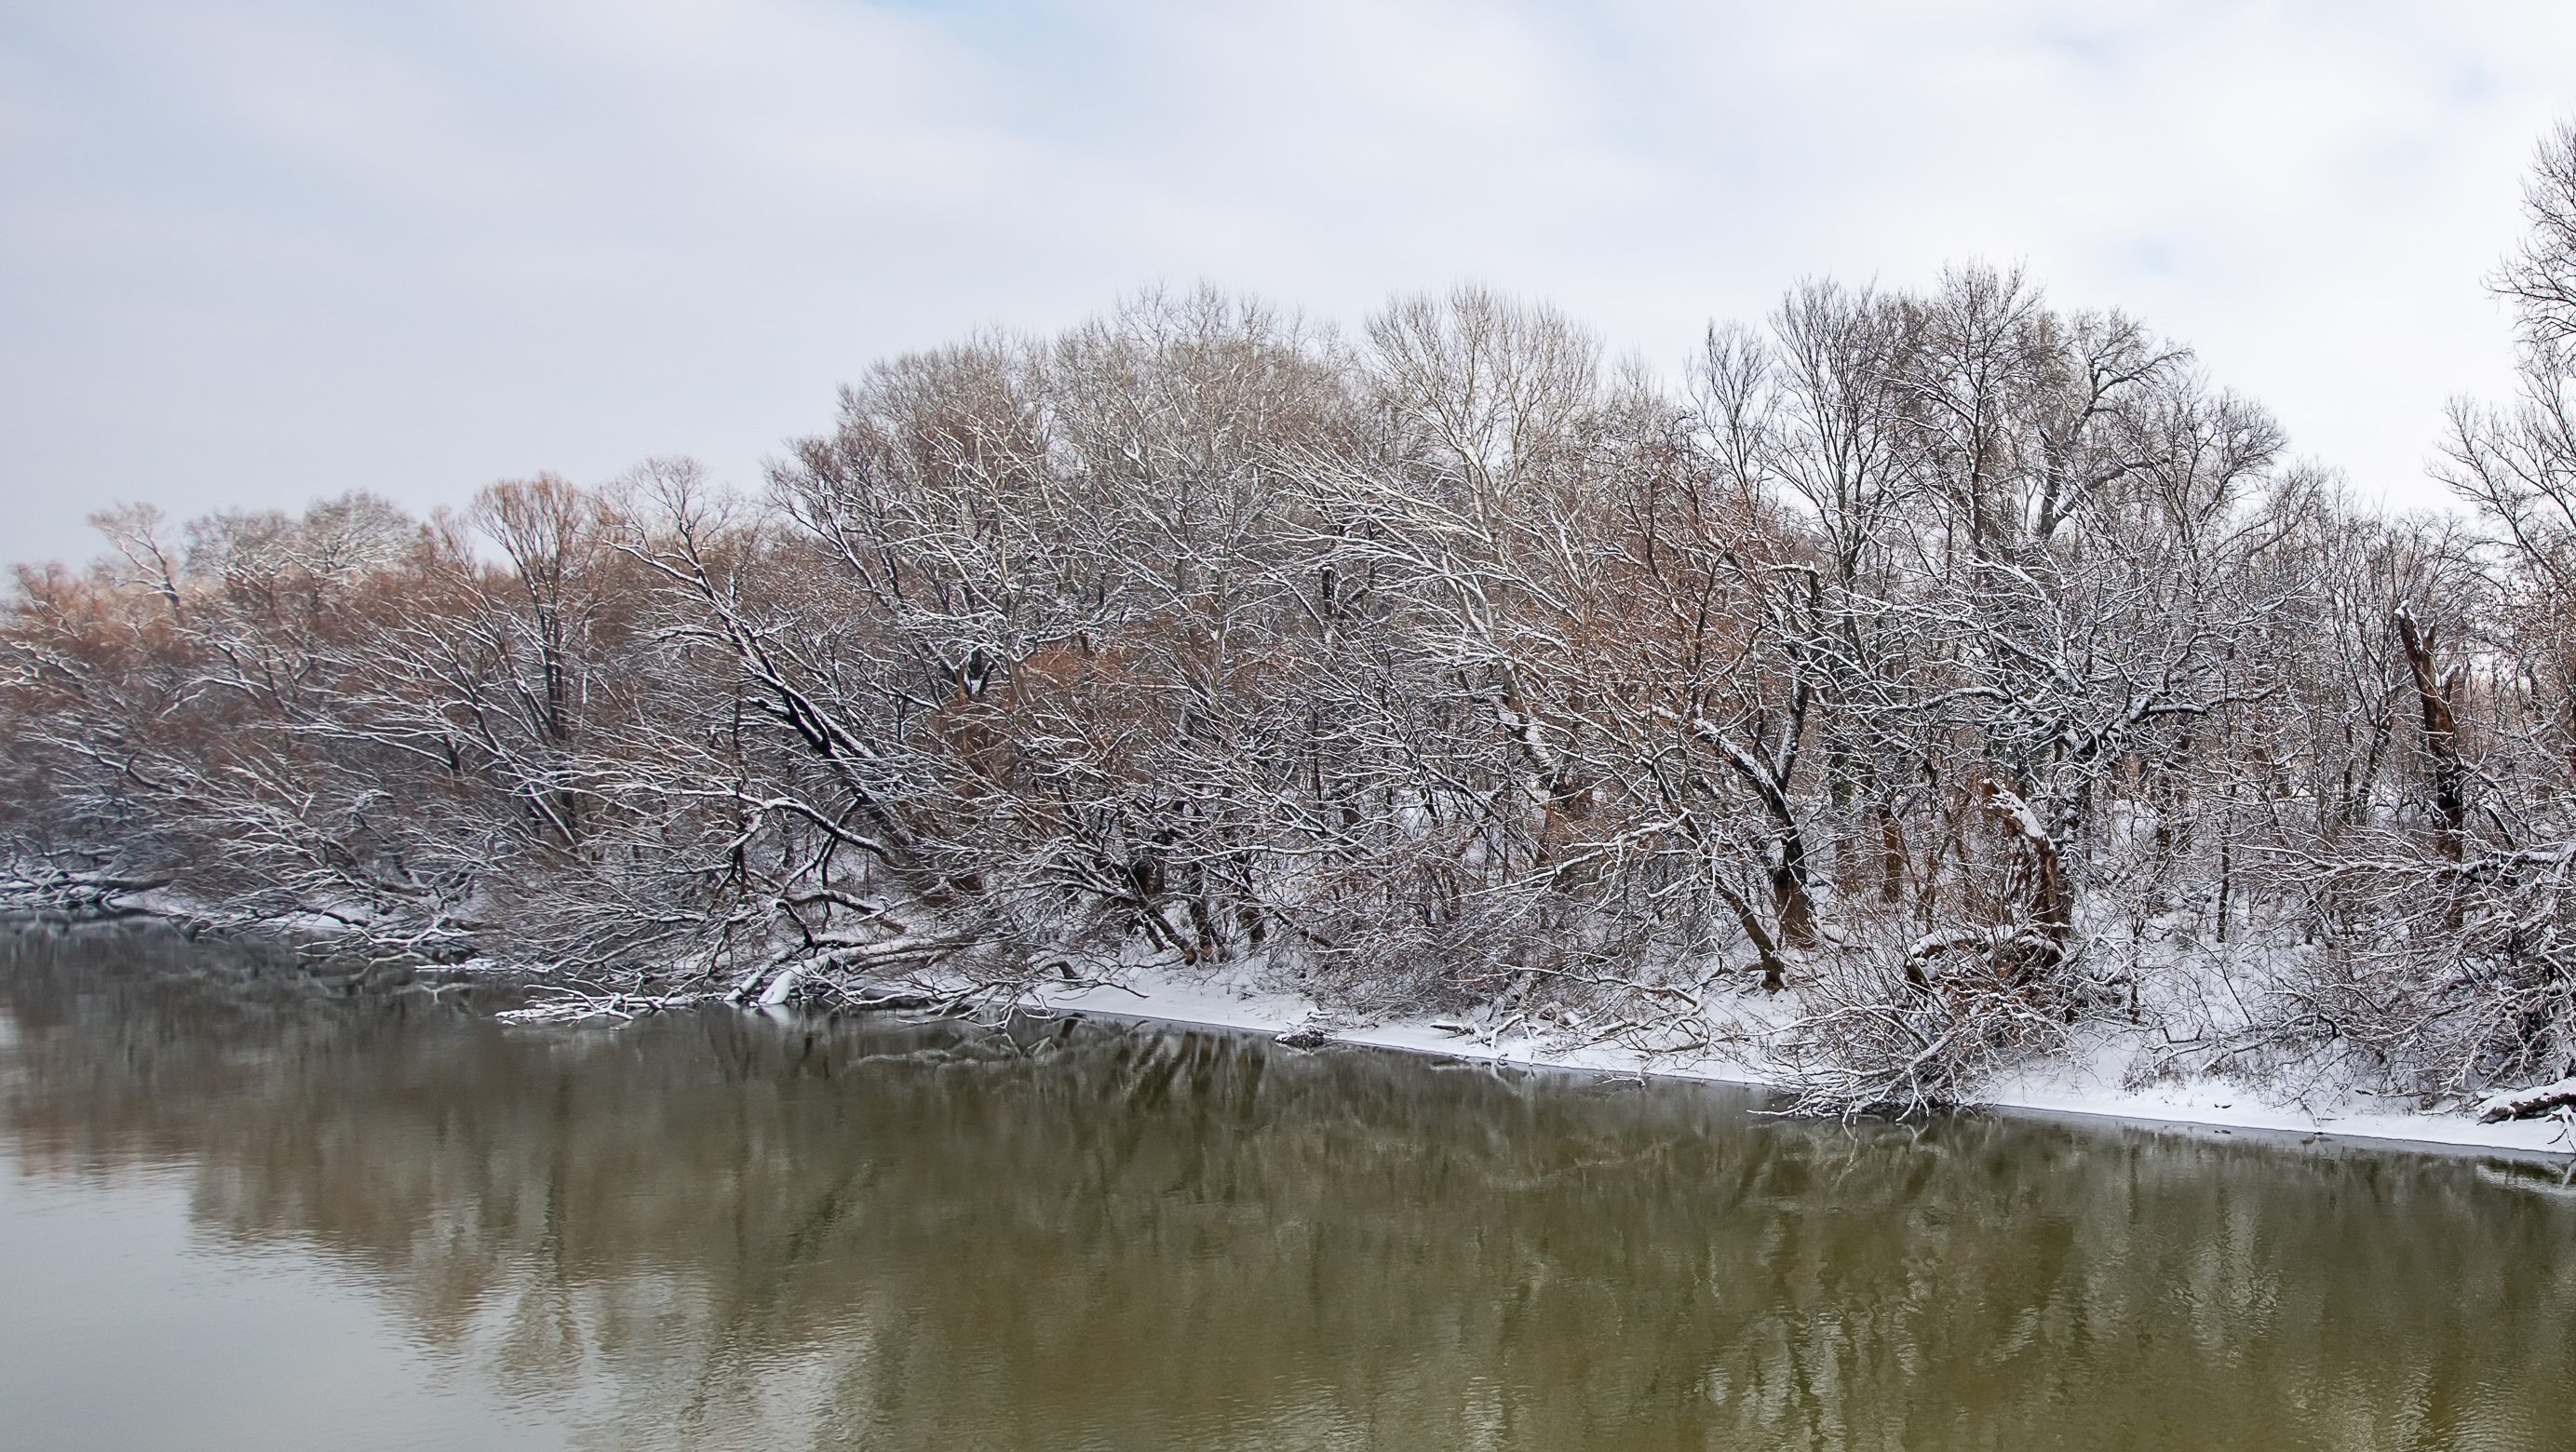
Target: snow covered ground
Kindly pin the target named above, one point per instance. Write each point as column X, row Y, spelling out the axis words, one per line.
column 2090, row 1088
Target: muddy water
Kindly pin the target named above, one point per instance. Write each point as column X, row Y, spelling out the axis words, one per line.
column 238, row 1214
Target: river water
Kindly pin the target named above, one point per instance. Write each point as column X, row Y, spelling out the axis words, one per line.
column 237, row 1214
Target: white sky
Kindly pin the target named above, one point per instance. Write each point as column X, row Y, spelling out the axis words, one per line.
column 255, row 252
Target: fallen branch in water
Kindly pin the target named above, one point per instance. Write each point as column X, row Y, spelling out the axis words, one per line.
column 574, row 1005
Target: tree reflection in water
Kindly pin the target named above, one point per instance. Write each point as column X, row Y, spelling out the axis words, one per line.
column 718, row 1230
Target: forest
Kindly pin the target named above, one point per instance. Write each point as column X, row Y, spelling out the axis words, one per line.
column 1920, row 683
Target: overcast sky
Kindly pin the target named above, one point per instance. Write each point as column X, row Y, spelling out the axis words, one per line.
column 252, row 253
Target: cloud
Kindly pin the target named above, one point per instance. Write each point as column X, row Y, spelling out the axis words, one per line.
column 269, row 250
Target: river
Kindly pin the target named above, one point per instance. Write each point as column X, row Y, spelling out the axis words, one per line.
column 238, row 1212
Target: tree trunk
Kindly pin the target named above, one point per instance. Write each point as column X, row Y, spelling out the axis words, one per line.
column 2441, row 739
column 1790, row 900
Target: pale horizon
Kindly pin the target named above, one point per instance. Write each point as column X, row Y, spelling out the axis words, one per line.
column 280, row 252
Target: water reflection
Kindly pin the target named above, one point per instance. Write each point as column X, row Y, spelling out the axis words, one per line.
column 715, row 1231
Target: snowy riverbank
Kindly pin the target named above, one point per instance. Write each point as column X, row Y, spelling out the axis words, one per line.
column 2090, row 1085
column 2089, row 1089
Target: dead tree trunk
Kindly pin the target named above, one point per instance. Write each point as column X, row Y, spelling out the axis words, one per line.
column 2441, row 739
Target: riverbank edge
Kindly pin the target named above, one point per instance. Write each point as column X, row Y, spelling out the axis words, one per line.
column 2065, row 1092
column 2060, row 1090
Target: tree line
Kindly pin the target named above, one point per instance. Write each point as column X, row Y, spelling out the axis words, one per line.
column 1976, row 668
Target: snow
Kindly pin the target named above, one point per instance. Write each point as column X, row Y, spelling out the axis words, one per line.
column 782, row 987
column 2088, row 1088
column 2525, row 1103
column 2083, row 1089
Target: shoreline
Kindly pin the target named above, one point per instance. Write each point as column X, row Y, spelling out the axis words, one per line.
column 2060, row 1092
column 2063, row 1091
